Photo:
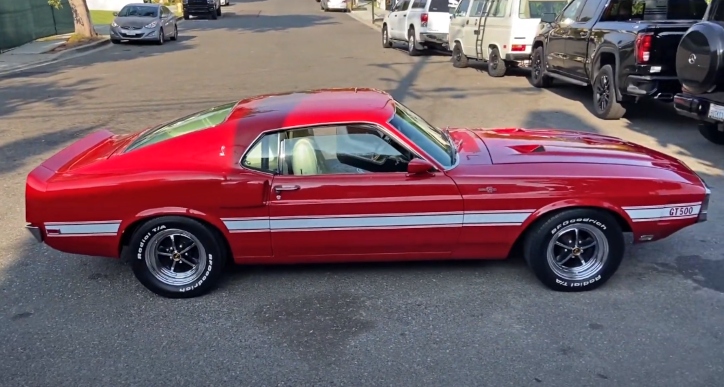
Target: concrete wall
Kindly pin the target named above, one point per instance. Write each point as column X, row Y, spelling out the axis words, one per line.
column 109, row 5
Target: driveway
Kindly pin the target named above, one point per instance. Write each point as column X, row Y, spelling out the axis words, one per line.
column 73, row 320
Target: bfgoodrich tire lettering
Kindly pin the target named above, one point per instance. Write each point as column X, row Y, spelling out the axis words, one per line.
column 575, row 250
column 161, row 244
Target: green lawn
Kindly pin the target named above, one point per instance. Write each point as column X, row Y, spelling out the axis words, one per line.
column 106, row 17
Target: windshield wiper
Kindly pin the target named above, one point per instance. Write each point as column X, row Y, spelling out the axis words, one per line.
column 453, row 151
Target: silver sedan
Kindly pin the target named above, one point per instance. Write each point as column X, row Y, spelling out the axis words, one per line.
column 144, row 22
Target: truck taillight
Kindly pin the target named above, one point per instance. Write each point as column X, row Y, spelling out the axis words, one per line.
column 643, row 47
column 423, row 19
column 517, row 47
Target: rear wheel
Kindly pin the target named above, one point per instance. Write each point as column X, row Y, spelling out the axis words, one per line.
column 712, row 132
column 496, row 64
column 412, row 43
column 177, row 257
column 575, row 250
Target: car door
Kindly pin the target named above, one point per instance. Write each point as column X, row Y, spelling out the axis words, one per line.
column 167, row 20
column 472, row 32
column 579, row 36
column 555, row 50
column 397, row 20
column 457, row 24
column 344, row 193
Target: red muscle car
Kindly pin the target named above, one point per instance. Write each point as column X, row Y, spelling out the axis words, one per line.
column 342, row 175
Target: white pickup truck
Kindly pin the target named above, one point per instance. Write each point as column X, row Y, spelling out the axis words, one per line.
column 419, row 23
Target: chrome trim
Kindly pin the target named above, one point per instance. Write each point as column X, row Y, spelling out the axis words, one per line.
column 35, row 232
column 704, row 211
column 336, row 123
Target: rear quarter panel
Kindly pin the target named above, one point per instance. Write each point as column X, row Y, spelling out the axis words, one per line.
column 522, row 194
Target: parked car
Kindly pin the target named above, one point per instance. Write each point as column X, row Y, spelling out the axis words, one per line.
column 421, row 24
column 621, row 48
column 498, row 32
column 144, row 22
column 208, row 8
column 700, row 69
column 343, row 175
column 334, row 5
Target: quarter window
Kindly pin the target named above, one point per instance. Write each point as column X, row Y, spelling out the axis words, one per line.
column 263, row 155
column 350, row 149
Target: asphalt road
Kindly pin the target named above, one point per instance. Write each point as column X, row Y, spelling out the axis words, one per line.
column 80, row 321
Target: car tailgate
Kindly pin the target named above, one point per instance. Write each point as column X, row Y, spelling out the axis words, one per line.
column 438, row 22
column 666, row 37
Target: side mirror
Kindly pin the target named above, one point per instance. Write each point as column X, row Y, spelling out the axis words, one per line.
column 418, row 166
column 115, row 13
column 548, row 17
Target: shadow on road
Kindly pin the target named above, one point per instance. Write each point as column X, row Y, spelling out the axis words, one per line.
column 256, row 21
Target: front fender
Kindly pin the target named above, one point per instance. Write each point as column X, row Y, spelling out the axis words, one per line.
column 576, row 203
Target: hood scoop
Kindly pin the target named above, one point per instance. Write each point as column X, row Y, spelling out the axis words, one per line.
column 534, row 148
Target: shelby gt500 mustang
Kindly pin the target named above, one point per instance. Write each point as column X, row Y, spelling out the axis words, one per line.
column 342, row 175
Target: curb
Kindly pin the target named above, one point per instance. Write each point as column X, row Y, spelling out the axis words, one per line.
column 366, row 22
column 67, row 54
column 92, row 46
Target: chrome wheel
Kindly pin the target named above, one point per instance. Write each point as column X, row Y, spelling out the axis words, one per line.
column 577, row 252
column 175, row 257
column 603, row 93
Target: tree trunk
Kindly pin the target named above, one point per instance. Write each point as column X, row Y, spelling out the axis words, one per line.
column 82, row 19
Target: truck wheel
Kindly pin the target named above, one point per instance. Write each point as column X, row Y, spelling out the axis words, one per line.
column 712, row 132
column 605, row 105
column 177, row 257
column 412, row 43
column 537, row 71
column 575, row 250
column 386, row 43
column 458, row 56
column 496, row 64
column 186, row 16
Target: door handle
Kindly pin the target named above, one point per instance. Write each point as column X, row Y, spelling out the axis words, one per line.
column 280, row 188
column 467, row 21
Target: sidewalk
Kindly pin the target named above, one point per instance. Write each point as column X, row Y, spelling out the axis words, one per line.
column 363, row 14
column 47, row 50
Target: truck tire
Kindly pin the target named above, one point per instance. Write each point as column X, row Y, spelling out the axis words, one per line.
column 605, row 105
column 712, row 132
column 700, row 58
column 496, row 65
column 459, row 59
column 537, row 71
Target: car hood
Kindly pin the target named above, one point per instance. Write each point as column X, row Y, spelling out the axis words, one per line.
column 134, row 21
column 522, row 146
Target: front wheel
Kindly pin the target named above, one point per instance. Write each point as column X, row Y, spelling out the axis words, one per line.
column 459, row 59
column 386, row 43
column 161, row 37
column 177, row 257
column 575, row 250
column 218, row 11
column 175, row 32
column 712, row 132
column 537, row 71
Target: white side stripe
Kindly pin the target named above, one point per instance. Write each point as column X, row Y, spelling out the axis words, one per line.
column 665, row 212
column 82, row 228
column 379, row 221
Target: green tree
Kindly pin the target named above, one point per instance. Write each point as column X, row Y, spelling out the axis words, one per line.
column 81, row 17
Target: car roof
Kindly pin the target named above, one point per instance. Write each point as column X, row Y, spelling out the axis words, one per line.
column 312, row 107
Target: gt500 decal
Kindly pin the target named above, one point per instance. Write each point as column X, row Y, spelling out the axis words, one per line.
column 578, row 220
column 206, row 275
column 578, row 284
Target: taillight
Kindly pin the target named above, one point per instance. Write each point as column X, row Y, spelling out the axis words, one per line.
column 643, row 47
column 517, row 47
column 423, row 20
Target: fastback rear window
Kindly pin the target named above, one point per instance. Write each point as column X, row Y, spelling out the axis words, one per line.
column 193, row 123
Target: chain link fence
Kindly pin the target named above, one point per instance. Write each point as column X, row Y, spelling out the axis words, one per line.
column 22, row 21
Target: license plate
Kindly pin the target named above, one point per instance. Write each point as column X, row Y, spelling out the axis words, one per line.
column 716, row 112
column 127, row 32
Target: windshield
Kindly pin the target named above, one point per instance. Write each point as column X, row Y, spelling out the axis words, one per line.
column 431, row 139
column 193, row 123
column 138, row 11
column 534, row 9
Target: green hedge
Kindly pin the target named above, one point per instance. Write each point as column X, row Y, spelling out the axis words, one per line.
column 22, row 21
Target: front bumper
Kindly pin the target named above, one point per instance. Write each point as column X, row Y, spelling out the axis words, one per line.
column 133, row 34
column 199, row 9
column 434, row 37
column 655, row 86
column 698, row 108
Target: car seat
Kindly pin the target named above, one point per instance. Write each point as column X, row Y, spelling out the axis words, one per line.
column 304, row 157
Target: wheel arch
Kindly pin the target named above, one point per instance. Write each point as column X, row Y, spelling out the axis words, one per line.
column 606, row 56
column 129, row 227
column 540, row 215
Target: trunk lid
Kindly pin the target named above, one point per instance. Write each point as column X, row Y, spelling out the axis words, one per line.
column 90, row 149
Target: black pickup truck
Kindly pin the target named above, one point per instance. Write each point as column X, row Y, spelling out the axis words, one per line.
column 700, row 67
column 625, row 49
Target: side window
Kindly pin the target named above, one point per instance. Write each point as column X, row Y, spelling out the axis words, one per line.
column 263, row 155
column 418, row 4
column 462, row 9
column 500, row 8
column 570, row 12
column 404, row 5
column 479, row 7
column 589, row 10
column 350, row 149
column 165, row 12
